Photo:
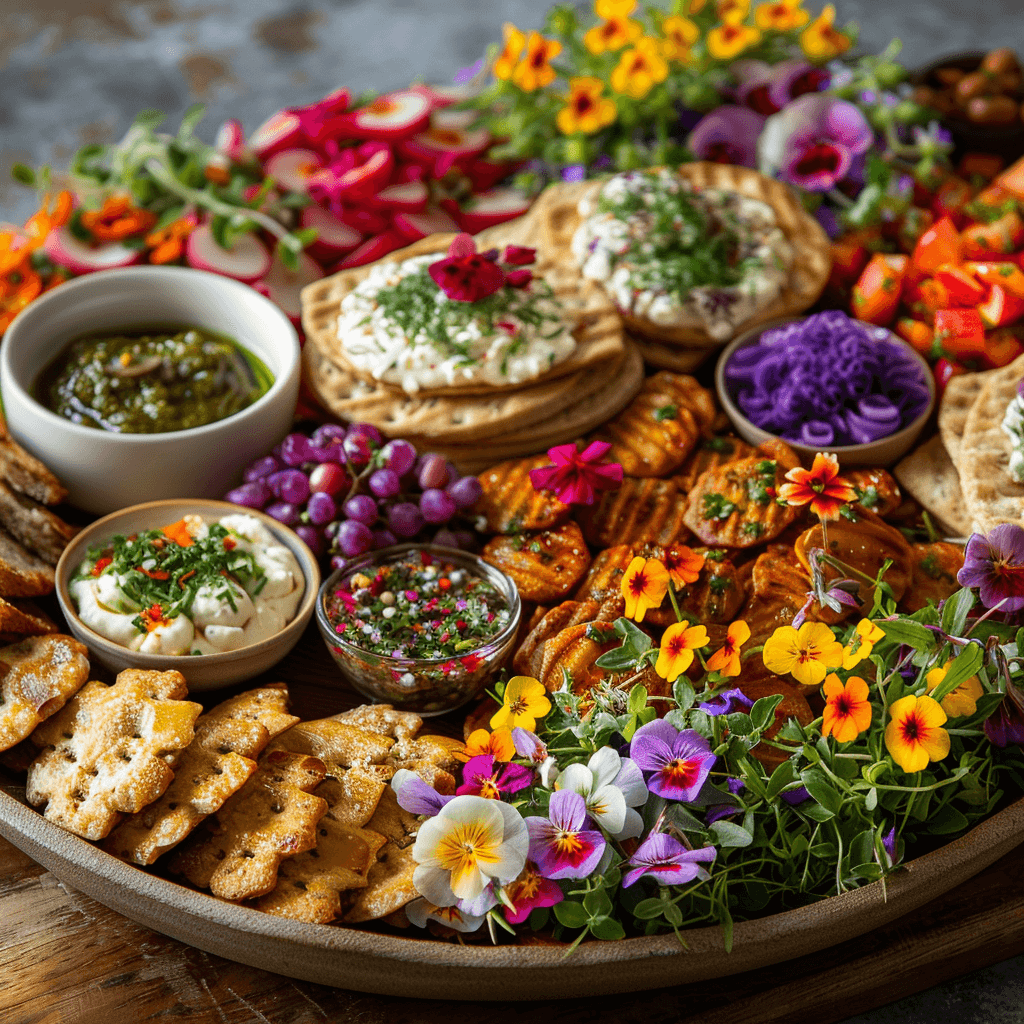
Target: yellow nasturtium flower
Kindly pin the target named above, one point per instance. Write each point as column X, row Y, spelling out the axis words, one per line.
column 680, row 34
column 640, row 69
column 731, row 38
column 821, row 40
column 514, row 43
column 806, row 654
column 677, row 647
column 615, row 29
column 587, row 110
column 963, row 701
column 644, row 585
column 534, row 71
column 864, row 638
column 915, row 735
column 780, row 15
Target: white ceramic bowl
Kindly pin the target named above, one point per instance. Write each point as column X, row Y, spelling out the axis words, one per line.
column 884, row 452
column 104, row 471
column 204, row 671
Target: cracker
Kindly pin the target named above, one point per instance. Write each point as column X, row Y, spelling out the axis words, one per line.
column 510, row 503
column 338, row 744
column 109, row 751
column 33, row 525
column 26, row 473
column 382, row 719
column 352, row 797
column 929, row 476
column 39, row 676
column 545, row 566
column 249, row 720
column 432, row 758
column 22, row 574
column 309, row 886
column 389, row 886
column 24, row 618
column 273, row 816
column 960, row 394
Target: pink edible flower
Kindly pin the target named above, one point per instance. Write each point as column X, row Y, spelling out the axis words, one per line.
column 561, row 845
column 483, row 778
column 466, row 275
column 518, row 278
column 575, row 475
column 528, row 892
column 518, row 255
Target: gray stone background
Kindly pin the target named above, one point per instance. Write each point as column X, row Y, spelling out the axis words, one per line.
column 77, row 71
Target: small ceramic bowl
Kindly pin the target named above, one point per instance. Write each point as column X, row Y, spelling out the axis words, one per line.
column 204, row 671
column 884, row 452
column 105, row 471
column 428, row 687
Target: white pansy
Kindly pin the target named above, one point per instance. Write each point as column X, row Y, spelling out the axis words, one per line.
column 612, row 787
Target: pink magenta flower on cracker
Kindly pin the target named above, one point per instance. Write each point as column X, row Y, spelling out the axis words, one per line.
column 575, row 476
column 466, row 275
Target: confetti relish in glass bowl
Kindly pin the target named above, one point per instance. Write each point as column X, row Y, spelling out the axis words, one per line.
column 418, row 626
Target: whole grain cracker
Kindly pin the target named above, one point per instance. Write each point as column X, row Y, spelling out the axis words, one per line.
column 382, row 719
column 929, row 476
column 352, row 796
column 338, row 744
column 961, row 393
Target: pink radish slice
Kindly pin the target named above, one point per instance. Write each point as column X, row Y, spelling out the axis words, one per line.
column 280, row 131
column 418, row 225
column 452, row 120
column 334, row 238
column 247, row 260
column 67, row 251
column 372, row 250
column 485, row 174
column 366, row 179
column 406, row 197
column 393, row 115
column 410, row 172
column 367, row 221
column 231, row 141
column 493, row 207
column 283, row 286
column 292, row 168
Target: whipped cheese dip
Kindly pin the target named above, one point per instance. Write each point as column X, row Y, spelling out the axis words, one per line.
column 644, row 235
column 1013, row 428
column 468, row 350
column 234, row 585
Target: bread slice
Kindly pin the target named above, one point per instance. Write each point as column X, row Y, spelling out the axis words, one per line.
column 23, row 618
column 34, row 525
column 26, row 473
column 22, row 574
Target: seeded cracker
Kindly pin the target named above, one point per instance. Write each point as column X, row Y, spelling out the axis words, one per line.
column 337, row 744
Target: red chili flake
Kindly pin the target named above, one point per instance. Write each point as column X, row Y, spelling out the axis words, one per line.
column 100, row 565
column 230, row 543
column 188, row 575
column 154, row 574
column 444, row 583
column 152, row 617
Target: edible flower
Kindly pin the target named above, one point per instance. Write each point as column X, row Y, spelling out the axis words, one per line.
column 726, row 660
column 498, row 744
column 915, row 735
column 586, row 110
column 611, row 787
column 675, row 764
column 994, row 563
column 821, row 40
column 963, row 701
column 640, row 69
column 467, row 844
column 466, row 275
column 116, row 220
column 416, row 796
column 561, row 845
column 726, row 702
column 482, row 777
column 732, row 10
column 806, row 654
column 892, row 849
column 666, row 859
column 168, row 243
column 780, row 15
column 862, row 643
column 535, row 750
column 731, row 38
column 575, row 475
column 644, row 585
column 505, row 63
column 615, row 28
column 821, row 486
column 534, row 71
column 847, row 708
column 680, row 34
column 1006, row 724
column 677, row 647
column 525, row 700
column 421, row 911
column 528, row 892
column 683, row 564
column 727, row 135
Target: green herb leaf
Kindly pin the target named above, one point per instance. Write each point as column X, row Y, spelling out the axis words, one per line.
column 955, row 611
column 571, row 914
column 666, row 412
column 729, row 834
column 24, row 175
column 963, row 666
column 913, row 634
column 818, row 785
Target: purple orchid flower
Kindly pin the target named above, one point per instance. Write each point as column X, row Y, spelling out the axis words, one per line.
column 813, row 142
column 994, row 563
column 675, row 764
column 728, row 135
column 561, row 845
column 481, row 777
column 415, row 796
column 530, row 891
column 665, row 858
column 726, row 702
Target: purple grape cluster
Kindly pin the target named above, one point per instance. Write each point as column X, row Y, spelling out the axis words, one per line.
column 346, row 491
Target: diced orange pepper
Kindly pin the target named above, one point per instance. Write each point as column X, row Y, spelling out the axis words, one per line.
column 917, row 334
column 981, row 165
column 939, row 244
column 1005, row 273
column 926, row 298
column 986, row 241
column 178, row 532
column 1012, row 179
column 1001, row 307
column 877, row 291
column 1002, row 346
column 951, row 197
column 963, row 287
column 960, row 332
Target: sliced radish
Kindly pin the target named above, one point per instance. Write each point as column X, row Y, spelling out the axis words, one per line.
column 410, row 172
column 373, row 249
column 280, row 131
column 493, row 207
column 418, row 225
column 443, row 148
column 283, row 286
column 367, row 179
column 453, row 120
column 393, row 115
column 334, row 238
column 366, row 221
column 247, row 260
column 484, row 174
column 406, row 197
column 231, row 141
column 445, row 95
column 293, row 168
column 80, row 258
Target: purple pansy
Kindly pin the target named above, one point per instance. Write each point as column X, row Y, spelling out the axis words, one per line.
column 727, row 135
column 1006, row 724
column 414, row 795
column 795, row 796
column 726, row 702
column 481, row 777
column 561, row 845
column 994, row 563
column 675, row 764
column 666, row 859
column 718, row 811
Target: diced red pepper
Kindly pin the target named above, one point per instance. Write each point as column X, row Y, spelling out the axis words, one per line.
column 943, row 371
column 939, row 244
column 987, row 241
column 877, row 291
column 101, row 564
column 917, row 334
column 963, row 287
column 1005, row 273
column 849, row 257
column 980, row 165
column 960, row 332
column 1002, row 346
column 926, row 298
column 951, row 198
column 154, row 574
column 1001, row 307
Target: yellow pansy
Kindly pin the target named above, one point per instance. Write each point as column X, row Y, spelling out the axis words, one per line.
column 731, row 38
column 806, row 654
column 534, row 71
column 680, row 34
column 514, row 43
column 963, row 701
column 640, row 69
column 780, row 15
column 864, row 638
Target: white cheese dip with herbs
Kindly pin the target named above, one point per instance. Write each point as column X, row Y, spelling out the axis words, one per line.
column 681, row 256
column 231, row 585
column 1013, row 428
column 399, row 327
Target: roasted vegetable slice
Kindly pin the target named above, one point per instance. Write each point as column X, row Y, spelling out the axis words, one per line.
column 511, row 504
column 933, row 574
column 545, row 566
column 642, row 511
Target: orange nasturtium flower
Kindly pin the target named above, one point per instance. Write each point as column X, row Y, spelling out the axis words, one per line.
column 847, row 708
column 963, row 700
column 821, row 486
column 732, row 10
column 498, row 743
column 534, row 71
column 644, row 585
column 683, row 564
column 179, row 533
column 780, row 15
column 726, row 659
column 640, row 69
column 864, row 638
column 677, row 647
column 680, row 34
column 168, row 243
column 506, row 60
column 615, row 29
column 821, row 40
column 587, row 110
column 731, row 38
column 117, row 219
column 806, row 654
column 524, row 701
column 915, row 735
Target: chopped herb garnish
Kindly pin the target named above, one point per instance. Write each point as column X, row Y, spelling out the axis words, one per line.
column 719, row 584
column 666, row 412
column 754, row 529
column 716, row 506
column 724, row 445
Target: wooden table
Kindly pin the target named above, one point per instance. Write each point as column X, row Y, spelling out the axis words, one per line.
column 66, row 958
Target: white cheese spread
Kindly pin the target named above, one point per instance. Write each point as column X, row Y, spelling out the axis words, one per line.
column 1013, row 427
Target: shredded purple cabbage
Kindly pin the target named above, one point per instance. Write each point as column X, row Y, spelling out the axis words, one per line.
column 827, row 381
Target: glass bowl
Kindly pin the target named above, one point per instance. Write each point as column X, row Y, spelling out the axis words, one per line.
column 425, row 686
